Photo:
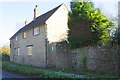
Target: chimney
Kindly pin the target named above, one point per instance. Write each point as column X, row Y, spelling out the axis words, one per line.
column 26, row 22
column 35, row 12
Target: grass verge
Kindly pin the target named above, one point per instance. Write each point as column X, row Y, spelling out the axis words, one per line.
column 89, row 74
column 34, row 71
column 49, row 72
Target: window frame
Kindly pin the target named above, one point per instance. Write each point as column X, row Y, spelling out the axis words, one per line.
column 24, row 35
column 36, row 29
column 28, row 52
column 16, row 38
column 18, row 51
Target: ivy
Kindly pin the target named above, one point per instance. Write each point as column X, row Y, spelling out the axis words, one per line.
column 116, row 37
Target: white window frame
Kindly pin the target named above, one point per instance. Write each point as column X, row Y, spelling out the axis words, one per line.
column 28, row 48
column 36, row 31
column 18, row 51
column 24, row 35
column 16, row 38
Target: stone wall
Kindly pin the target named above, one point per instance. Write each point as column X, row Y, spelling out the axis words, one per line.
column 89, row 58
column 38, row 57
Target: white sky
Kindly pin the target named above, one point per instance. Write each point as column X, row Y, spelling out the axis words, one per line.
column 13, row 13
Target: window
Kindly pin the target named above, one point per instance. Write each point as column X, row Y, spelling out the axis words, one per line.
column 18, row 51
column 29, row 50
column 24, row 35
column 36, row 31
column 16, row 38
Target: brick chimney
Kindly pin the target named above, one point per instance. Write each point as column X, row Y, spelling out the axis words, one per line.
column 35, row 12
column 26, row 22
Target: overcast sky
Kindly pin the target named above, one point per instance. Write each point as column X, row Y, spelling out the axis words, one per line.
column 13, row 13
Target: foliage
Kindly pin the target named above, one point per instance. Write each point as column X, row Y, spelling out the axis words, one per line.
column 116, row 37
column 76, row 42
column 84, row 62
column 100, row 24
column 0, row 64
column 5, row 52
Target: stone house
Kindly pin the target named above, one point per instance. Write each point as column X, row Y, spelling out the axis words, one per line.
column 29, row 45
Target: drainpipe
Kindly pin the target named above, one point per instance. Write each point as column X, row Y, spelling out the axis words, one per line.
column 12, row 48
column 46, row 51
column 46, row 46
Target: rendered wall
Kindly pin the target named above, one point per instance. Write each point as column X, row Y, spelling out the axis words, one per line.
column 57, row 27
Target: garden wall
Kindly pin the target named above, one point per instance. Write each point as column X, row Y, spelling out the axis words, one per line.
column 89, row 58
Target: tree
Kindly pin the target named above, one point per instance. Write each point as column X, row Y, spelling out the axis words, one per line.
column 96, row 24
column 5, row 52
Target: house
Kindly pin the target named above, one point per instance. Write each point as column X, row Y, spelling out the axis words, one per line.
column 29, row 45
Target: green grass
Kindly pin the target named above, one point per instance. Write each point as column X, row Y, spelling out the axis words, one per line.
column 89, row 74
column 0, row 64
column 32, row 71
column 22, row 69
column 45, row 73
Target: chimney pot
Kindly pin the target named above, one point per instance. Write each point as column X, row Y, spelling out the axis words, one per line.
column 35, row 12
column 26, row 22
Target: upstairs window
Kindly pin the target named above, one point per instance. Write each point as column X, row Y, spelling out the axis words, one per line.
column 16, row 38
column 24, row 35
column 36, row 31
column 29, row 50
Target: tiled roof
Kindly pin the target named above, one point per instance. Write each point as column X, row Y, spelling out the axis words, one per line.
column 37, row 22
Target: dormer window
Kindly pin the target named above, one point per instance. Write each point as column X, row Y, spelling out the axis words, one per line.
column 16, row 38
column 24, row 35
column 36, row 31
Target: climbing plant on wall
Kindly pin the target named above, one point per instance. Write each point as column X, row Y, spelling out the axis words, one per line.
column 116, row 37
column 98, row 24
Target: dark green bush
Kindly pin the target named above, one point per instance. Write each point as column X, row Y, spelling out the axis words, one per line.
column 99, row 25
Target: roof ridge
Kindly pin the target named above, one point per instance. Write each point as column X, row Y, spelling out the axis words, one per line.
column 37, row 21
column 49, row 10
